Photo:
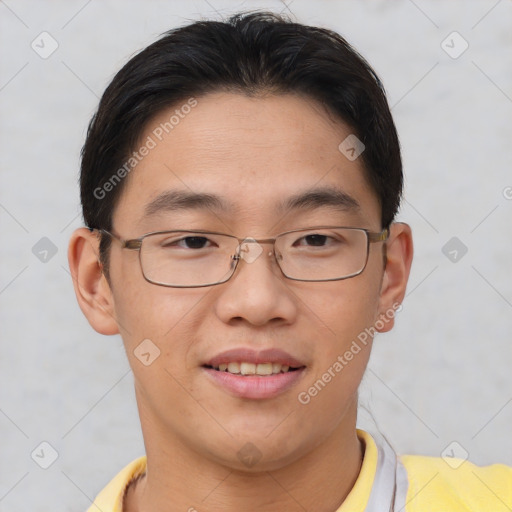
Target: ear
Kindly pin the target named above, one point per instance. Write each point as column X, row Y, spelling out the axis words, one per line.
column 399, row 252
column 91, row 286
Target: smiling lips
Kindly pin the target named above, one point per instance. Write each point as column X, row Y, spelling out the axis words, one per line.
column 260, row 369
column 246, row 361
column 246, row 373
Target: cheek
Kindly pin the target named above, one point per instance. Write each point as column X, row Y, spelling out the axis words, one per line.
column 343, row 320
column 329, row 393
column 145, row 309
column 158, row 329
column 159, row 321
column 344, row 309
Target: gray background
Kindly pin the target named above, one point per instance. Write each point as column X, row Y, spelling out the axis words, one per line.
column 442, row 375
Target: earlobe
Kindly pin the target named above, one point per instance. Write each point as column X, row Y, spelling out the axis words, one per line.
column 92, row 290
column 399, row 253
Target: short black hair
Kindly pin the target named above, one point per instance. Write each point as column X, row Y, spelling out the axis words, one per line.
column 250, row 53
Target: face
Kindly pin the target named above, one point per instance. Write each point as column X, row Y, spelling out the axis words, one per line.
column 253, row 154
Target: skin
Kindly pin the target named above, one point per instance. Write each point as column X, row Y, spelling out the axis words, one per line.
column 253, row 152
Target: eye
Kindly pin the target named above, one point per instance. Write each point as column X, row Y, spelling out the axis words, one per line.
column 188, row 242
column 195, row 242
column 314, row 240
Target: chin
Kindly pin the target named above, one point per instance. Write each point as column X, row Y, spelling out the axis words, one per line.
column 253, row 451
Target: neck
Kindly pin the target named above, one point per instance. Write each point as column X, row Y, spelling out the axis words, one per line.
column 320, row 480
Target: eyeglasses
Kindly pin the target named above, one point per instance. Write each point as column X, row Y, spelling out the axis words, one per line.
column 191, row 259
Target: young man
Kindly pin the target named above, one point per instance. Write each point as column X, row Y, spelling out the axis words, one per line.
column 239, row 184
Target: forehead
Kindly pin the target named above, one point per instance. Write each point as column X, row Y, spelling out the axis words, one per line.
column 256, row 154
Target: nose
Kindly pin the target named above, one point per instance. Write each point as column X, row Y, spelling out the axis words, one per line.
column 257, row 293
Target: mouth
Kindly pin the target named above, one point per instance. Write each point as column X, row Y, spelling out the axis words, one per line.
column 260, row 369
column 245, row 373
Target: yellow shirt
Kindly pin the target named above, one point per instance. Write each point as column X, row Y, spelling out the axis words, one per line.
column 409, row 483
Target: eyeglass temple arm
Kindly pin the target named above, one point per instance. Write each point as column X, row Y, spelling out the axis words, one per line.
column 134, row 244
column 378, row 237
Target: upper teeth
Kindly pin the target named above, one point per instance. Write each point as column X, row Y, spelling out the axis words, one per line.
column 253, row 369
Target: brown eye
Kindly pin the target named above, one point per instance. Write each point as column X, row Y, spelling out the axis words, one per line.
column 194, row 242
column 188, row 242
column 315, row 240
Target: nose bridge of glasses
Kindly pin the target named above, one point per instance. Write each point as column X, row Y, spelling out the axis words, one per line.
column 249, row 249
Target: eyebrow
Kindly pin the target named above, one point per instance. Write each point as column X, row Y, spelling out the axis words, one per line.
column 174, row 200
column 321, row 197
